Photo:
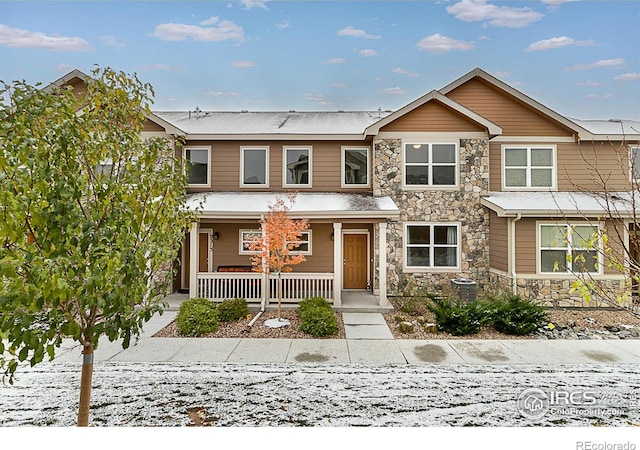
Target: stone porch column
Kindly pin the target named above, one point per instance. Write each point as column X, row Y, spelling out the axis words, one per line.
column 194, row 242
column 382, row 263
column 337, row 264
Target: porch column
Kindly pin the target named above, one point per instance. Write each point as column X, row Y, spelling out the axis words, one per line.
column 382, row 263
column 193, row 259
column 337, row 264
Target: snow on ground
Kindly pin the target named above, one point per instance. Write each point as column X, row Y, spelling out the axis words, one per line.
column 170, row 394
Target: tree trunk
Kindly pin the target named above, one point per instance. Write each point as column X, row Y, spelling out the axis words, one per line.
column 279, row 294
column 85, row 385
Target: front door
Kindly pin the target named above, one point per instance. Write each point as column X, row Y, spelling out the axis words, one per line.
column 203, row 257
column 355, row 261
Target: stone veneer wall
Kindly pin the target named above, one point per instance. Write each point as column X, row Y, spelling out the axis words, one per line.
column 461, row 205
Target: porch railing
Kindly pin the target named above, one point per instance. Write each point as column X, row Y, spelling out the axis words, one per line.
column 296, row 286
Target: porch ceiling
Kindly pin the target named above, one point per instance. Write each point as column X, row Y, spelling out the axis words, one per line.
column 251, row 205
column 563, row 204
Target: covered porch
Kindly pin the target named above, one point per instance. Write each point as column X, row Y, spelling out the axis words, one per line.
column 341, row 248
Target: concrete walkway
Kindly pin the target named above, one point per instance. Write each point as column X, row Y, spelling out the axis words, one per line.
column 368, row 341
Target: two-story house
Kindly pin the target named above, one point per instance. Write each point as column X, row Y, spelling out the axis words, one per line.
column 474, row 180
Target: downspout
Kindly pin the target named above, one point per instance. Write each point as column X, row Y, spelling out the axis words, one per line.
column 265, row 281
column 514, row 275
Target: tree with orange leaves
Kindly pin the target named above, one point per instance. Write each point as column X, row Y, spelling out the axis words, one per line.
column 281, row 236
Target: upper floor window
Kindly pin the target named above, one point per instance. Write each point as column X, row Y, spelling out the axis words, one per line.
column 569, row 248
column 634, row 162
column 297, row 166
column 254, row 166
column 529, row 167
column 431, row 246
column 355, row 167
column 198, row 163
column 430, row 165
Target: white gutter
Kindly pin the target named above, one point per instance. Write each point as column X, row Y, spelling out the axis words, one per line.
column 514, row 275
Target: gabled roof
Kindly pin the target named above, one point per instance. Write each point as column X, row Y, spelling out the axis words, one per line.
column 492, row 128
column 66, row 79
column 479, row 73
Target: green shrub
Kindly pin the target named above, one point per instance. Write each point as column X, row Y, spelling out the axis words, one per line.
column 197, row 316
column 317, row 317
column 230, row 310
column 515, row 315
column 458, row 318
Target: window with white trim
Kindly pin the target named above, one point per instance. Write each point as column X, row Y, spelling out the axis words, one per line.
column 301, row 247
column 569, row 248
column 430, row 164
column 528, row 167
column 197, row 160
column 431, row 245
column 634, row 163
column 355, row 166
column 297, row 166
column 254, row 166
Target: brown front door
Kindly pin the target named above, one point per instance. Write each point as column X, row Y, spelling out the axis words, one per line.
column 203, row 257
column 355, row 261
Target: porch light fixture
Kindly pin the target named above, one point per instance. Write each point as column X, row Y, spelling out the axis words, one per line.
column 417, row 146
column 216, row 235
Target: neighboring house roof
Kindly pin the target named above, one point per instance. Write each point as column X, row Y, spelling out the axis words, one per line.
column 259, row 125
column 251, row 205
column 562, row 204
column 612, row 129
column 66, row 79
column 492, row 128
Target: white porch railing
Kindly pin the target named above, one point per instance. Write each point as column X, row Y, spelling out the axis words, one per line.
column 296, row 286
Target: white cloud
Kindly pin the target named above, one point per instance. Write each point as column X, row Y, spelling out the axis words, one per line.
column 222, row 31
column 319, row 99
column 243, row 64
column 502, row 74
column 351, row 31
column 589, row 83
column 408, row 73
column 556, row 42
column 368, row 52
column 497, row 16
column 340, row 84
column 335, row 61
column 632, row 76
column 394, row 91
column 111, row 41
column 555, row 4
column 221, row 94
column 283, row 25
column 437, row 43
column 598, row 96
column 250, row 4
column 616, row 62
column 66, row 68
column 17, row 38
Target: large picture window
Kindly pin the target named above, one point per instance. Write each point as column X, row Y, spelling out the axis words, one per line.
column 529, row 167
column 355, row 167
column 568, row 248
column 254, row 166
column 197, row 160
column 431, row 246
column 430, row 164
column 297, row 166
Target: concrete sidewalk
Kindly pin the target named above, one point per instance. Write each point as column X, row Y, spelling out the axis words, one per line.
column 367, row 342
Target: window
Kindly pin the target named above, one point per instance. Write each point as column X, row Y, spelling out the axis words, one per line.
column 105, row 168
column 198, row 163
column 355, row 167
column 568, row 248
column 302, row 247
column 254, row 162
column 529, row 167
column 431, row 246
column 430, row 164
column 246, row 238
column 634, row 157
column 297, row 166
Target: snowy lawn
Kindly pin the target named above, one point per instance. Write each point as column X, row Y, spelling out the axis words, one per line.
column 171, row 394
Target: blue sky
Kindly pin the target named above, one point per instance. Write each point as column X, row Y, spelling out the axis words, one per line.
column 580, row 58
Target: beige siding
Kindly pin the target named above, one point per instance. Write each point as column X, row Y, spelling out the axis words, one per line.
column 432, row 117
column 515, row 117
column 326, row 164
column 498, row 242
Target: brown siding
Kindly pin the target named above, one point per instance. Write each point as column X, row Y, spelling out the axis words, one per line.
column 579, row 165
column 526, row 246
column 326, row 161
column 432, row 116
column 515, row 117
column 498, row 242
column 150, row 125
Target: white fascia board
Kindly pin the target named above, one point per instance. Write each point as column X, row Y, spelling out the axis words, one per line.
column 170, row 129
column 271, row 137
